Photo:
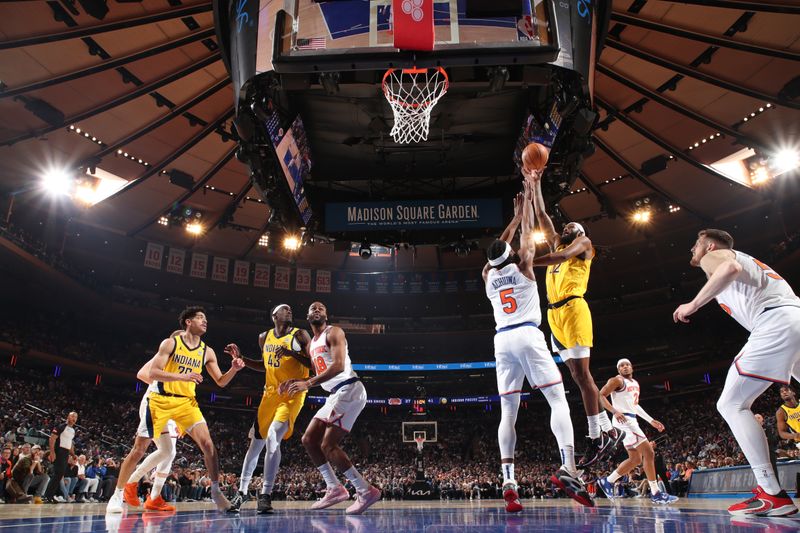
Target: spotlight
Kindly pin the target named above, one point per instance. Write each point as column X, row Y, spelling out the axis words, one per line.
column 641, row 216
column 195, row 228
column 164, row 221
column 786, row 160
column 291, row 243
column 538, row 237
column 86, row 194
column 57, row 182
column 264, row 240
column 365, row 251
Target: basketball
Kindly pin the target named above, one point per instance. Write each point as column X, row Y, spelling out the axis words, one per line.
column 534, row 156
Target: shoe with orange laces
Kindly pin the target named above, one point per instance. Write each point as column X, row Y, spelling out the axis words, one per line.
column 157, row 504
column 511, row 498
column 763, row 504
column 130, row 496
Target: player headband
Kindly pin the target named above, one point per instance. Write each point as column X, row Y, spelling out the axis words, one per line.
column 500, row 260
column 275, row 309
column 580, row 228
column 623, row 361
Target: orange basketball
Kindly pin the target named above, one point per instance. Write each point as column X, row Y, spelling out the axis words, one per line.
column 534, row 156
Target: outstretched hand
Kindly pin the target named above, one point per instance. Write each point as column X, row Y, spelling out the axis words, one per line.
column 233, row 351
column 519, row 199
column 532, row 176
column 237, row 364
column 658, row 425
column 682, row 313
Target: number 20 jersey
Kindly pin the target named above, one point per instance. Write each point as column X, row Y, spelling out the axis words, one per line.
column 514, row 297
column 183, row 360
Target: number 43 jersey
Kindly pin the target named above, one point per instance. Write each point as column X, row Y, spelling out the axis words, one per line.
column 514, row 297
column 280, row 369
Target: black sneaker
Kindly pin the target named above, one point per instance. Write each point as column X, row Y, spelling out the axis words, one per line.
column 596, row 449
column 236, row 503
column 616, row 435
column 265, row 504
column 572, row 487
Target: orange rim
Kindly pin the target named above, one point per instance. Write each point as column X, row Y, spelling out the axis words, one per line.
column 413, row 70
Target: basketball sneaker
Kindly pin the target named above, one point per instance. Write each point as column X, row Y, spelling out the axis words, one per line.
column 129, row 494
column 333, row 495
column 115, row 504
column 607, row 487
column 597, row 448
column 617, row 436
column 237, row 501
column 763, row 504
column 662, row 498
column 511, row 498
column 157, row 504
column 265, row 504
column 364, row 501
column 572, row 487
column 222, row 502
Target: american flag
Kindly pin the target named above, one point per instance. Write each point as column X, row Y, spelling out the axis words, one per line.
column 314, row 43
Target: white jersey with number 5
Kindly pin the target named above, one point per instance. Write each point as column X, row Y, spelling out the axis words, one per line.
column 514, row 297
column 321, row 358
column 626, row 399
column 757, row 288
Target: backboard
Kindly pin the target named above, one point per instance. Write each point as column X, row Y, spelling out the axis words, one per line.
column 312, row 36
column 418, row 429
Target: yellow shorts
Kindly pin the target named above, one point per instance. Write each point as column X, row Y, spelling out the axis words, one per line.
column 571, row 325
column 161, row 409
column 276, row 407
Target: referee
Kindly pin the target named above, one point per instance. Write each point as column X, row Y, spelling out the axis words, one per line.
column 61, row 446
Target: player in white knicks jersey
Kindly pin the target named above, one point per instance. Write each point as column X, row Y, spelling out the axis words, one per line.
column 521, row 352
column 624, row 391
column 764, row 304
column 334, row 372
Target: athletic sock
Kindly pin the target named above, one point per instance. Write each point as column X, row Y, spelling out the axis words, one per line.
column 765, row 477
column 568, row 459
column 605, row 422
column 508, row 473
column 158, row 484
column 653, row 487
column 117, row 493
column 328, row 475
column 613, row 477
column 594, row 426
column 357, row 480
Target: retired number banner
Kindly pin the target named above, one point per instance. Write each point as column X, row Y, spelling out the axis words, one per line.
column 153, row 255
column 261, row 277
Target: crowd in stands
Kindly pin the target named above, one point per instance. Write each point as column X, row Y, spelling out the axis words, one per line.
column 462, row 464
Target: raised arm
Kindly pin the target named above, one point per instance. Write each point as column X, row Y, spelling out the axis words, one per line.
column 216, row 374
column 545, row 223
column 527, row 245
column 511, row 229
column 581, row 245
column 252, row 364
column 612, row 385
column 722, row 269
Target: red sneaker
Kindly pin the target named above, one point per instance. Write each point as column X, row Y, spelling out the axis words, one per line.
column 763, row 504
column 130, row 496
column 157, row 504
column 572, row 486
column 511, row 497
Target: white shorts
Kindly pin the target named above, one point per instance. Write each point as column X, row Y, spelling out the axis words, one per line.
column 142, row 430
column 772, row 351
column 634, row 436
column 522, row 353
column 342, row 407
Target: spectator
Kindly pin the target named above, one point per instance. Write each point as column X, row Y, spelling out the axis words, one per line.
column 29, row 473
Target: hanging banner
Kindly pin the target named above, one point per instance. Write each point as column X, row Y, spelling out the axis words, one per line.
column 153, row 255
column 415, row 284
column 472, row 281
column 361, row 282
column 342, row 281
column 302, row 281
column 199, row 265
column 282, row 278
column 382, row 284
column 261, row 276
column 451, row 281
column 219, row 272
column 176, row 261
column 435, row 282
column 417, row 214
column 324, row 281
column 398, row 283
column 241, row 272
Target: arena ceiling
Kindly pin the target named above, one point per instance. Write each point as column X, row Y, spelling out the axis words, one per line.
column 142, row 90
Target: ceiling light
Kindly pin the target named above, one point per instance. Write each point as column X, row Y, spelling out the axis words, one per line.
column 194, row 228
column 538, row 237
column 164, row 221
column 641, row 216
column 264, row 240
column 291, row 243
column 786, row 160
column 57, row 182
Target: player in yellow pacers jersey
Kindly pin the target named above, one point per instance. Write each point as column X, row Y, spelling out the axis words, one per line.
column 788, row 415
column 177, row 368
column 568, row 265
column 284, row 356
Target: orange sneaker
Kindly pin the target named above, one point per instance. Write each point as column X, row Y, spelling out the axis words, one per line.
column 130, row 496
column 157, row 504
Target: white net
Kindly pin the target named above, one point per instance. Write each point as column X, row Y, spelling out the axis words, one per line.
column 412, row 94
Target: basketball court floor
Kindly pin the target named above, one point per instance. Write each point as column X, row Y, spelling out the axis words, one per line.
column 398, row 517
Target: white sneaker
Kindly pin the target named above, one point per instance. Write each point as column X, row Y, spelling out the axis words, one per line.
column 220, row 501
column 115, row 504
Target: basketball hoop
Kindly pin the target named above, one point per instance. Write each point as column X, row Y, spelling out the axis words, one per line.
column 412, row 93
column 420, row 440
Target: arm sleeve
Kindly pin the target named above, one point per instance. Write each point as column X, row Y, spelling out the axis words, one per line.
column 641, row 412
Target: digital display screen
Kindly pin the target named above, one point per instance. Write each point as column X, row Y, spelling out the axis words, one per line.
column 295, row 159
